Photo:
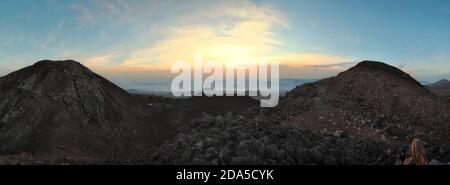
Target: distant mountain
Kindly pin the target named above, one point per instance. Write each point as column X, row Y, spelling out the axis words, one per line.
column 440, row 85
column 162, row 87
column 441, row 88
column 371, row 100
column 60, row 108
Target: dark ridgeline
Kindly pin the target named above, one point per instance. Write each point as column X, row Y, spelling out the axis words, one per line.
column 374, row 100
column 57, row 108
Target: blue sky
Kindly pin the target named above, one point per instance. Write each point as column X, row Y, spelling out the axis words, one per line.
column 139, row 39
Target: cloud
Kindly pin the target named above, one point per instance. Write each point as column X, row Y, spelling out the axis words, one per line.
column 85, row 14
column 250, row 37
column 60, row 25
column 101, row 61
column 316, row 71
column 231, row 32
column 431, row 68
column 117, row 11
column 310, row 59
column 235, row 34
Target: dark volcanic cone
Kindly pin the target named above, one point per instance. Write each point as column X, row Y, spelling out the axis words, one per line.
column 371, row 100
column 56, row 107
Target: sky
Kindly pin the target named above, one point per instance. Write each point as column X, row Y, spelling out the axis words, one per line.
column 140, row 39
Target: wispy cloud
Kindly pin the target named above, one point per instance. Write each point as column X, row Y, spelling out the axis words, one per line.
column 310, row 59
column 117, row 11
column 85, row 14
column 60, row 25
column 101, row 61
column 433, row 67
